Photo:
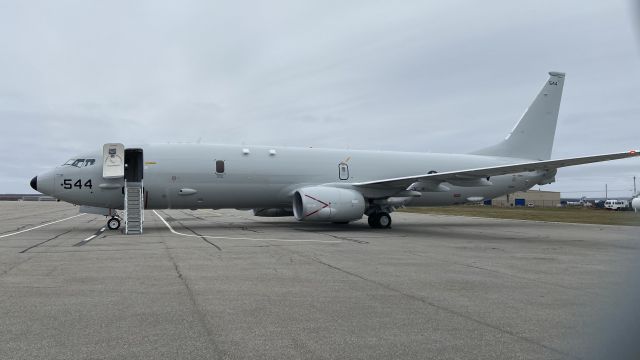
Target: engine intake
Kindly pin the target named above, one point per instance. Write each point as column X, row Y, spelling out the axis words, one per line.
column 321, row 203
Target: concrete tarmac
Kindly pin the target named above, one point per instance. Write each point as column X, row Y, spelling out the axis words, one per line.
column 227, row 285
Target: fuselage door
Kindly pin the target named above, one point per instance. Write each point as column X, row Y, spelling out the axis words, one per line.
column 134, row 165
column 343, row 171
column 112, row 161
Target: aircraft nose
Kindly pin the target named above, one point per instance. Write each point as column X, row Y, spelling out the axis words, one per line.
column 34, row 183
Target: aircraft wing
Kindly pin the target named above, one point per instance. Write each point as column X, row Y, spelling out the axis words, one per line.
column 468, row 174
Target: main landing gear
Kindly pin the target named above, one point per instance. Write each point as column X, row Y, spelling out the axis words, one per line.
column 113, row 223
column 380, row 220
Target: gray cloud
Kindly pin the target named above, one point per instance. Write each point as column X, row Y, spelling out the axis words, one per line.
column 437, row 77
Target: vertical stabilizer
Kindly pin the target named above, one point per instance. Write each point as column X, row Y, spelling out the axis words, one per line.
column 532, row 137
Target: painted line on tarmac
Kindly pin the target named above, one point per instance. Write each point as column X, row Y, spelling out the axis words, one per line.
column 239, row 238
column 100, row 231
column 39, row 226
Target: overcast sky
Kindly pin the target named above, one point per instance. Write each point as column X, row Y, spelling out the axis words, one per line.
column 448, row 76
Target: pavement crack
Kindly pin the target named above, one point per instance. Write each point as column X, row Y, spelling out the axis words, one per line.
column 491, row 270
column 246, row 228
column 15, row 266
column 170, row 218
column 344, row 238
column 192, row 215
column 437, row 306
column 49, row 239
column 198, row 313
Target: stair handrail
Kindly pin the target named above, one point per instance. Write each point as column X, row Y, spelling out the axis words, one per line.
column 125, row 207
column 141, row 204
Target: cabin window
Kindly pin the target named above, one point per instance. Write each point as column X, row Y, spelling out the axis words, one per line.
column 219, row 166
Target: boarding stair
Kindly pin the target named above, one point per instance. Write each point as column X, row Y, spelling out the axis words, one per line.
column 133, row 208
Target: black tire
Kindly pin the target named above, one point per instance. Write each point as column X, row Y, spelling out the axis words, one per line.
column 113, row 223
column 373, row 220
column 384, row 220
column 380, row 220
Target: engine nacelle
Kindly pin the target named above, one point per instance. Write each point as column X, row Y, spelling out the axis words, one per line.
column 273, row 212
column 323, row 203
column 635, row 204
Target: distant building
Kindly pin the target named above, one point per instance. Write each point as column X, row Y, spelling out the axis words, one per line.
column 26, row 197
column 535, row 198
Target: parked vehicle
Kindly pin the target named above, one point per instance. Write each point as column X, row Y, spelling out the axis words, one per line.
column 616, row 204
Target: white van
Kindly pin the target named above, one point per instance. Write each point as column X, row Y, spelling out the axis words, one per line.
column 616, row 204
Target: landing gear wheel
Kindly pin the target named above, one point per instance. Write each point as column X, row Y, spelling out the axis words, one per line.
column 380, row 220
column 384, row 220
column 113, row 223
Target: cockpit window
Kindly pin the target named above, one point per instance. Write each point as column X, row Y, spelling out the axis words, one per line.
column 80, row 162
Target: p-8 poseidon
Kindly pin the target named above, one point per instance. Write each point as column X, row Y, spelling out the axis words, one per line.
column 322, row 185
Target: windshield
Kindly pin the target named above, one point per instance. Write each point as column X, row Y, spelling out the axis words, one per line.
column 80, row 162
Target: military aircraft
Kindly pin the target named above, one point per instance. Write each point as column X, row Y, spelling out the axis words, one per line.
column 311, row 184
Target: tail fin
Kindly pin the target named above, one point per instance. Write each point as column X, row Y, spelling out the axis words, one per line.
column 532, row 137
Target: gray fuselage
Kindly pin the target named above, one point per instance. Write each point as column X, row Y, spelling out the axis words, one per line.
column 184, row 176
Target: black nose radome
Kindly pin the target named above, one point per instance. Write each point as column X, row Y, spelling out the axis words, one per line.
column 34, row 183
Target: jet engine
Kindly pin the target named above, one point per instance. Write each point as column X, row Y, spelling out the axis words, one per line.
column 323, row 203
column 635, row 204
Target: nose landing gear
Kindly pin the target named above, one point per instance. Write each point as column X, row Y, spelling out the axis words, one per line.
column 113, row 223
